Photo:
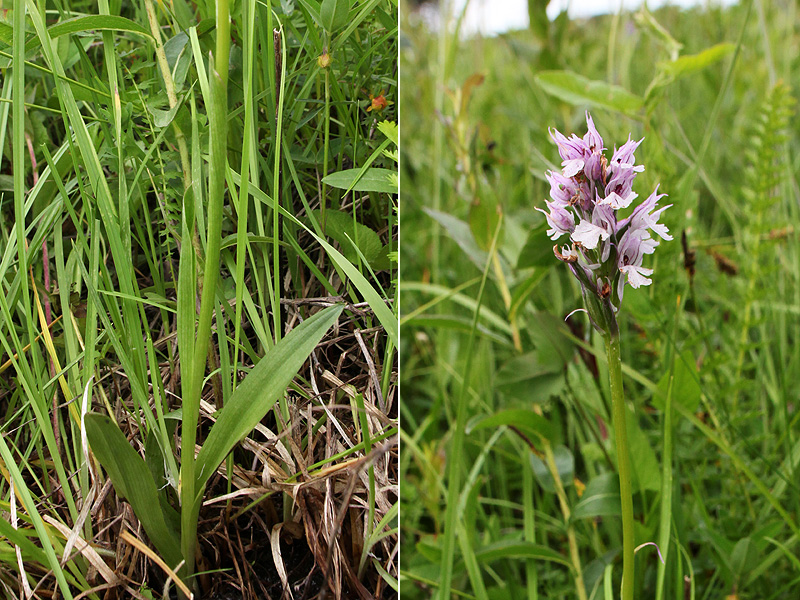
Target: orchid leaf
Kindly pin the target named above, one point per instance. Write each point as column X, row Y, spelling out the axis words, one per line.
column 260, row 390
column 132, row 480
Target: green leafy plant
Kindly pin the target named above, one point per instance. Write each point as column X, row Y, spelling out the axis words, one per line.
column 536, row 510
column 253, row 398
column 160, row 229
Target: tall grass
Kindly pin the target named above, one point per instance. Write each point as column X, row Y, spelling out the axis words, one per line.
column 198, row 388
column 506, row 407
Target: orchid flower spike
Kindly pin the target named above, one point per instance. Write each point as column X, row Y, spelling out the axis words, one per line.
column 606, row 251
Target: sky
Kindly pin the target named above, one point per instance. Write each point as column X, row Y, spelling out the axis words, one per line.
column 495, row 16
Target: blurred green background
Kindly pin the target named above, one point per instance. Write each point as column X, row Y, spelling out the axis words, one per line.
column 711, row 91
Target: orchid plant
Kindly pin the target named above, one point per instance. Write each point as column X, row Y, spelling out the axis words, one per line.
column 606, row 252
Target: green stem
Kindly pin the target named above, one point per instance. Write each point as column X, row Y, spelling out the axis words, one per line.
column 223, row 44
column 191, row 496
column 623, row 463
column 169, row 86
column 326, row 145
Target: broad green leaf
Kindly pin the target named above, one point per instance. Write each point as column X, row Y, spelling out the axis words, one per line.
column 204, row 26
column 531, row 377
column 173, row 48
column 646, row 469
column 96, row 23
column 262, row 387
column 525, row 420
column 696, row 62
column 461, row 234
column 685, row 385
column 744, row 557
column 600, row 498
column 132, row 480
column 157, row 465
column 429, row 547
column 578, row 90
column 162, row 118
column 184, row 13
column 565, row 465
column 178, row 57
column 550, row 336
column 528, row 366
column 484, row 218
column 333, row 14
column 312, row 6
column 538, row 250
column 374, row 179
column 341, row 226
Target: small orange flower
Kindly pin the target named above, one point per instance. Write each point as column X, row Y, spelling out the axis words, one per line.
column 378, row 103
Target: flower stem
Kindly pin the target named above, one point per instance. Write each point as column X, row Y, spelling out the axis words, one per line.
column 623, row 463
column 191, row 494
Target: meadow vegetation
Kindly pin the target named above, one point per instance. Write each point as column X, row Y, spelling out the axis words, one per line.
column 508, row 465
column 198, row 234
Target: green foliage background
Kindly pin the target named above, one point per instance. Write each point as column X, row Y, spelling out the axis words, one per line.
column 711, row 91
column 104, row 199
